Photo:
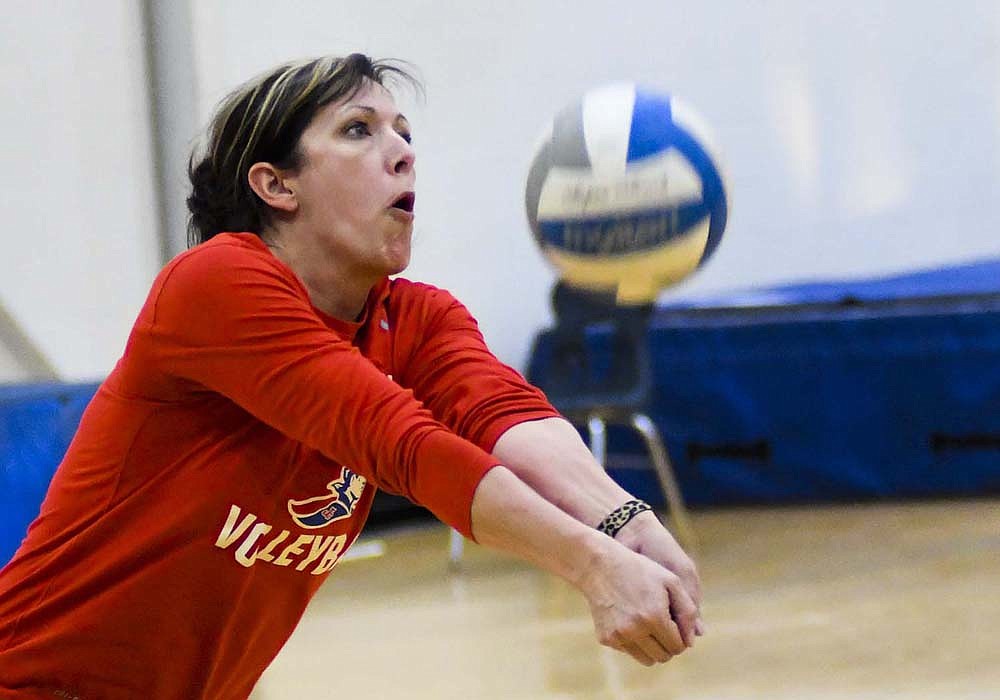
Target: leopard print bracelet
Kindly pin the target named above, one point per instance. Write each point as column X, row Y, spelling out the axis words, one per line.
column 619, row 517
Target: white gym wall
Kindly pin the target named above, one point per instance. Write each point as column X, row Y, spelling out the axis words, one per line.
column 80, row 232
column 860, row 138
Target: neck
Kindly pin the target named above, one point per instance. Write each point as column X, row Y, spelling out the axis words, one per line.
column 331, row 290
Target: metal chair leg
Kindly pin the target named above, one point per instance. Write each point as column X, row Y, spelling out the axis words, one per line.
column 456, row 546
column 598, row 439
column 645, row 426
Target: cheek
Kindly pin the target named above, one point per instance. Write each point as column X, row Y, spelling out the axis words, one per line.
column 358, row 195
column 346, row 187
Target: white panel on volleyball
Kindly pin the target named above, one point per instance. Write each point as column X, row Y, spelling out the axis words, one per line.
column 685, row 117
column 666, row 179
column 607, row 123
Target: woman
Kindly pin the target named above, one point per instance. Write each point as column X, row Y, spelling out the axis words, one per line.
column 273, row 380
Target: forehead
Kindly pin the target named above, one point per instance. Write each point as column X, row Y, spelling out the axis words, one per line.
column 369, row 97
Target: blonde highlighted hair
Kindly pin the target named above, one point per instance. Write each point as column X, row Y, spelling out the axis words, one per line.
column 261, row 121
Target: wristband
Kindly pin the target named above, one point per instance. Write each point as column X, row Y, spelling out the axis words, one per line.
column 619, row 517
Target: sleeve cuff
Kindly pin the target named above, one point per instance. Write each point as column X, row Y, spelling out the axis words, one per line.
column 488, row 440
column 448, row 489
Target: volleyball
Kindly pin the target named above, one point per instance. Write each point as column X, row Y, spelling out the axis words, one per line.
column 626, row 192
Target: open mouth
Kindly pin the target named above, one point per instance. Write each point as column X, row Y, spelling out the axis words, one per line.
column 405, row 202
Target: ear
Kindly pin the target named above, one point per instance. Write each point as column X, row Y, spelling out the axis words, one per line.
column 268, row 183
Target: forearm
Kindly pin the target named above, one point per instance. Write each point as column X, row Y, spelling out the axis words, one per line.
column 550, row 457
column 509, row 516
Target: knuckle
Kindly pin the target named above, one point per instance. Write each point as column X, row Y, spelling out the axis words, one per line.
column 608, row 639
column 664, row 656
column 632, row 631
column 651, row 619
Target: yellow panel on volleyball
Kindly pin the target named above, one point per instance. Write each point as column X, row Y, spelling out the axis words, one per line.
column 637, row 277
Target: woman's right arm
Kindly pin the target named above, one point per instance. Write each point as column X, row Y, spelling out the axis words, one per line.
column 229, row 319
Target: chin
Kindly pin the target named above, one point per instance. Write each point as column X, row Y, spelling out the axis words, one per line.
column 397, row 261
column 396, row 269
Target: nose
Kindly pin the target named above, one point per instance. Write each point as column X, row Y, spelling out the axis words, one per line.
column 402, row 156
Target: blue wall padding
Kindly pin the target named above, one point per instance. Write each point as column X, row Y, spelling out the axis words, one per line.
column 978, row 278
column 37, row 423
column 811, row 403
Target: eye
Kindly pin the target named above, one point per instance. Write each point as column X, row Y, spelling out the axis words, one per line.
column 357, row 129
column 406, row 136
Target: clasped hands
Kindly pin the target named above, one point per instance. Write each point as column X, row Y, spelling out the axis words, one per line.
column 644, row 593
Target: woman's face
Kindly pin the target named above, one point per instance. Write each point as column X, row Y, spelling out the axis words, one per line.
column 355, row 186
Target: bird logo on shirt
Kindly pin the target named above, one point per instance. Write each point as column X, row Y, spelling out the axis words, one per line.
column 337, row 504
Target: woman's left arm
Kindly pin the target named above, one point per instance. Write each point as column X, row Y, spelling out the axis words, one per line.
column 451, row 370
column 552, row 459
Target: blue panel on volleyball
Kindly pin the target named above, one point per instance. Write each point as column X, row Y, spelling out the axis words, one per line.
column 652, row 126
column 37, row 423
column 891, row 394
column 653, row 131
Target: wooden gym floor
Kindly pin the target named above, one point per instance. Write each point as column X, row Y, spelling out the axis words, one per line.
column 861, row 602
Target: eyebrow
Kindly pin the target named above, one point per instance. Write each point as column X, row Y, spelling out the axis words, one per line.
column 371, row 110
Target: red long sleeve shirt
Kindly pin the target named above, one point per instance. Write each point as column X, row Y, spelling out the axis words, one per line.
column 226, row 464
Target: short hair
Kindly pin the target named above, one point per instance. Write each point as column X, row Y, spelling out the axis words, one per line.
column 262, row 120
